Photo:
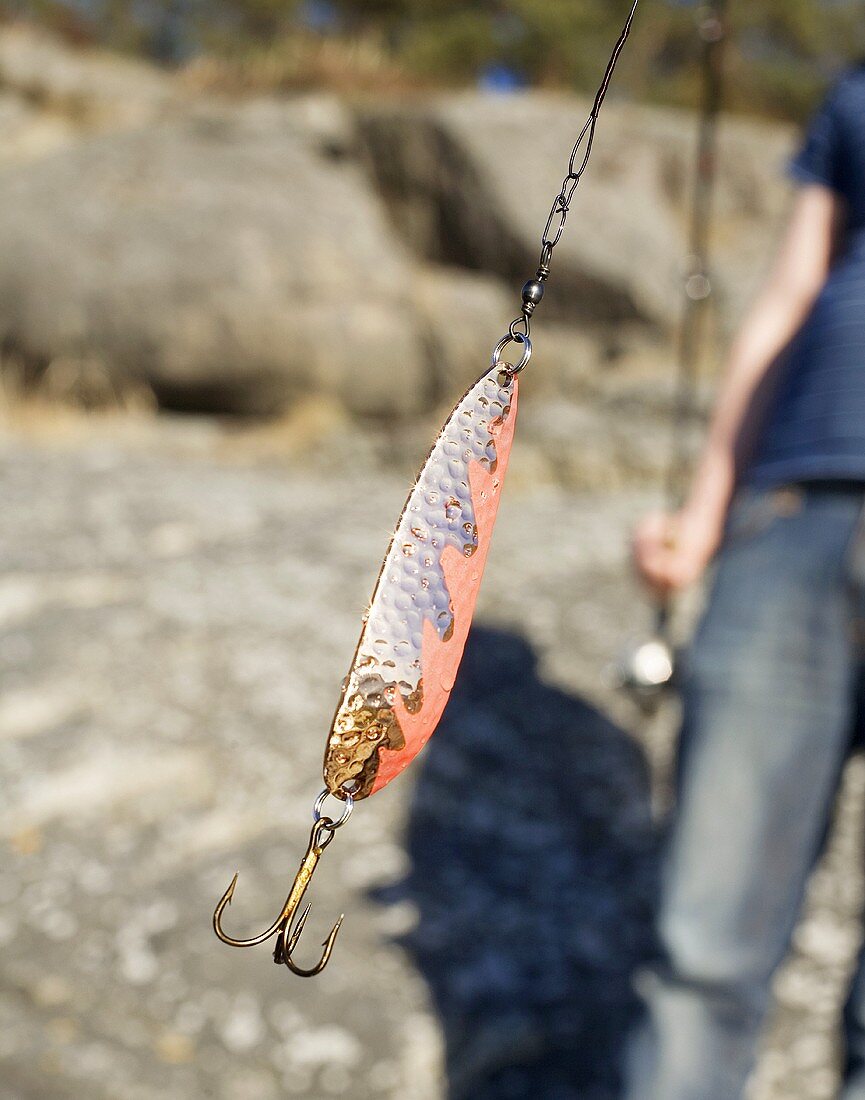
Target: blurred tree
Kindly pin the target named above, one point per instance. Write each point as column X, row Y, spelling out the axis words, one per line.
column 782, row 51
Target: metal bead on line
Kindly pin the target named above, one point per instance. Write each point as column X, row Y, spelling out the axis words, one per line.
column 533, row 292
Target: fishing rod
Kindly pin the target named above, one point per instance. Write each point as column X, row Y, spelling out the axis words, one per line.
column 650, row 666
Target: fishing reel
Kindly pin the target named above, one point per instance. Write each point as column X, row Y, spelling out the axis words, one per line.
column 646, row 669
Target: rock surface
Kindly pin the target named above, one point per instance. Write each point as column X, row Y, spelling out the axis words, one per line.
column 180, row 254
column 27, row 133
column 94, row 87
column 471, row 179
column 179, row 600
column 237, row 258
column 173, row 629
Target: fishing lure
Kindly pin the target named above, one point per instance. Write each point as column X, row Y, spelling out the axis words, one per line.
column 415, row 630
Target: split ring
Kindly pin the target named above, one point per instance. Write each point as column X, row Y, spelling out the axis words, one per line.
column 327, row 822
column 515, row 338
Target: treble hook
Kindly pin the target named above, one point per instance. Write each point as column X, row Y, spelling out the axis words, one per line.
column 321, row 835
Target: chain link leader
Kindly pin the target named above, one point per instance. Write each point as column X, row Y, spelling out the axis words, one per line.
column 533, row 291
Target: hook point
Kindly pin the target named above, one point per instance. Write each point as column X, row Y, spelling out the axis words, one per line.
column 293, row 935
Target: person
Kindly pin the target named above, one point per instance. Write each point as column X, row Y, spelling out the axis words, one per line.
column 771, row 678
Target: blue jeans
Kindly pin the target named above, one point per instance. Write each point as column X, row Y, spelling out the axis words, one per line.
column 770, row 710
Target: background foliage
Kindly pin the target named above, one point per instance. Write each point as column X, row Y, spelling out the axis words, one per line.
column 781, row 51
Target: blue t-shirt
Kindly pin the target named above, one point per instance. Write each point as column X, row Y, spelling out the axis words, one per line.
column 815, row 427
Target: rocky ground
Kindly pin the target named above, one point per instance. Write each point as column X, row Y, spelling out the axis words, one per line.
column 179, row 598
column 212, row 254
column 176, row 619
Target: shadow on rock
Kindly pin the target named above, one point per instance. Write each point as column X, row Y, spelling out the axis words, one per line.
column 533, row 867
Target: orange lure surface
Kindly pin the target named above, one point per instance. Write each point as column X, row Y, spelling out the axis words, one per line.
column 416, row 627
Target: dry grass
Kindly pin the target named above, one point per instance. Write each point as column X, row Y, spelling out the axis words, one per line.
column 300, row 62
